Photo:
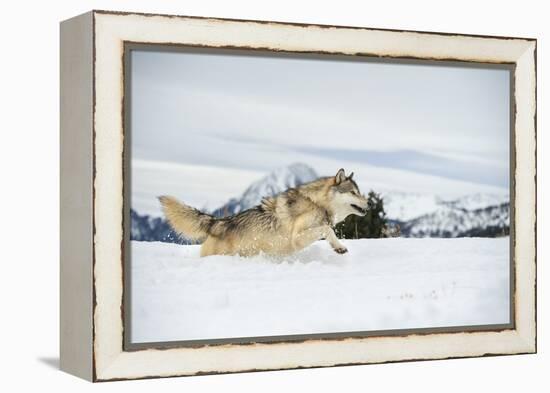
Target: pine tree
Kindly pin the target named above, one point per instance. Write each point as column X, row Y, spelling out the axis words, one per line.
column 372, row 225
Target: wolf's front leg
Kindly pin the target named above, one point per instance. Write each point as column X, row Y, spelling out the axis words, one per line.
column 334, row 242
column 304, row 238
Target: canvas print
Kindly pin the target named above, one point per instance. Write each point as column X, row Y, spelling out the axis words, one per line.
column 276, row 195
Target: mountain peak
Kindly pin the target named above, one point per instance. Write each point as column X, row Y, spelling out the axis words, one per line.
column 272, row 184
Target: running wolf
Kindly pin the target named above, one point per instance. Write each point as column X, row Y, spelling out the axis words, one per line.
column 280, row 225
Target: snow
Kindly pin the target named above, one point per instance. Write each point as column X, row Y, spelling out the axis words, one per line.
column 380, row 284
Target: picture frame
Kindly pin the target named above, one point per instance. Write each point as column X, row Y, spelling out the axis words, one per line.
column 94, row 185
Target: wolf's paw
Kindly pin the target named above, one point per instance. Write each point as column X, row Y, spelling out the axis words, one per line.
column 341, row 250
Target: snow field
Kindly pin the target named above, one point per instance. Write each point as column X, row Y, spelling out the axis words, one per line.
column 380, row 284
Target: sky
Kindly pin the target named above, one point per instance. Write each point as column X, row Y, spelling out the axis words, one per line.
column 256, row 112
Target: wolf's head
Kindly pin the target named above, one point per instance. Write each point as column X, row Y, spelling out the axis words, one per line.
column 345, row 197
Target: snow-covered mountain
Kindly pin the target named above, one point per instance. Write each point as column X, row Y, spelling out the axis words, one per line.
column 425, row 215
column 449, row 221
column 406, row 206
column 418, row 215
column 274, row 183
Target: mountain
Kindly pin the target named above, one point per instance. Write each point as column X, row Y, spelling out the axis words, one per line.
column 274, row 183
column 427, row 215
column 406, row 206
column 418, row 215
column 453, row 221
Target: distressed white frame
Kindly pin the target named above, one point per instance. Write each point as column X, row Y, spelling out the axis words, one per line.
column 110, row 30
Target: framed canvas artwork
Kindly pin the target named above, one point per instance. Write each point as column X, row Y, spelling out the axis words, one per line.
column 247, row 195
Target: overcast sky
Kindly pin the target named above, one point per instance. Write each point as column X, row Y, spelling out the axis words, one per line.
column 263, row 112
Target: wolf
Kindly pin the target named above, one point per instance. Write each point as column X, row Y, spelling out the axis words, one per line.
column 280, row 225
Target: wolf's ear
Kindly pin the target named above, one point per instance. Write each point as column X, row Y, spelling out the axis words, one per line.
column 350, row 177
column 340, row 176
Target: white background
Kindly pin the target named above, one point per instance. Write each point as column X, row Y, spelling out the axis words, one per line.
column 29, row 196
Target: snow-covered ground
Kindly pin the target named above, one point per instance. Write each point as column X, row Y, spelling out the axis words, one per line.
column 380, row 284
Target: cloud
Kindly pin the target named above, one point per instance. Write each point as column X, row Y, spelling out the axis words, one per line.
column 250, row 111
column 419, row 162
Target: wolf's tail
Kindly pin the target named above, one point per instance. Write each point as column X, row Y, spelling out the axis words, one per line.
column 186, row 220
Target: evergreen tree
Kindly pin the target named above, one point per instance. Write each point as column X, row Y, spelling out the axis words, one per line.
column 372, row 225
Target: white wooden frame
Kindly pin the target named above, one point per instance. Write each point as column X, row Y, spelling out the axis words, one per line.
column 92, row 49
